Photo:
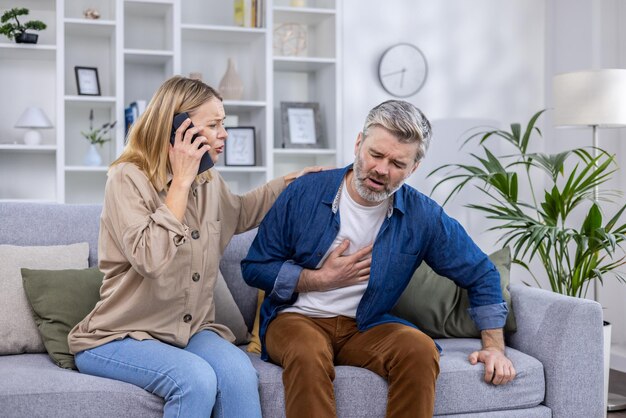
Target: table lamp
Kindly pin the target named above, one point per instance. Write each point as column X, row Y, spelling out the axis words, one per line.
column 594, row 98
column 33, row 118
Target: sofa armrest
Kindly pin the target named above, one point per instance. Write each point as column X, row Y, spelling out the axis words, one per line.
column 565, row 335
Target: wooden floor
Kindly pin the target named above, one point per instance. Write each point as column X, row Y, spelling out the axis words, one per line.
column 617, row 384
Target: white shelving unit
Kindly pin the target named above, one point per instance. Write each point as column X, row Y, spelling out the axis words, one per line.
column 136, row 45
column 28, row 76
column 312, row 76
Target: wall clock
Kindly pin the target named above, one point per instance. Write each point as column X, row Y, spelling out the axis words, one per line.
column 402, row 70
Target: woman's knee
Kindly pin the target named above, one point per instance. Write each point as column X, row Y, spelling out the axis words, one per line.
column 240, row 372
column 198, row 379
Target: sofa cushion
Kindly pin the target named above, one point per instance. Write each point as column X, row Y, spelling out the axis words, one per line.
column 31, row 385
column 227, row 313
column 460, row 386
column 61, row 299
column 18, row 331
column 230, row 265
column 438, row 307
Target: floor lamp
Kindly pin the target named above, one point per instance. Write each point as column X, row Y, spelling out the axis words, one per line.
column 596, row 99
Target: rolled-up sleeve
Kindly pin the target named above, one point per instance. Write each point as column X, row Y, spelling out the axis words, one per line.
column 489, row 316
column 286, row 281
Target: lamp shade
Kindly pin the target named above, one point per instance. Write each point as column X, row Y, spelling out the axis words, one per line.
column 33, row 117
column 590, row 98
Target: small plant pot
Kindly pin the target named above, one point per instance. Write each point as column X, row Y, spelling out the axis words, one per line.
column 26, row 38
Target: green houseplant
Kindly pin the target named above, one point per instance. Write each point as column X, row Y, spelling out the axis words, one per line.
column 547, row 225
column 17, row 30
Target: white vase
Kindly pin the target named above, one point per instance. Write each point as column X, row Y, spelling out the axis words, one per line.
column 231, row 86
column 92, row 158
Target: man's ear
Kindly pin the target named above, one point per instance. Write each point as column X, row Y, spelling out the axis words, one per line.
column 417, row 164
column 359, row 139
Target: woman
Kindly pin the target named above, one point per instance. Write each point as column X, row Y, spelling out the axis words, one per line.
column 163, row 229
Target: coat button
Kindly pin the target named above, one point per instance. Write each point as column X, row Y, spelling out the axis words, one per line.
column 187, row 318
column 195, row 234
column 195, row 277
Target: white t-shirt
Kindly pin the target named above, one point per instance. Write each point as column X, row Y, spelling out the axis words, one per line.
column 359, row 224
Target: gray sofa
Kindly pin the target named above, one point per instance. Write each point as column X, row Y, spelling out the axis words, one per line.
column 557, row 351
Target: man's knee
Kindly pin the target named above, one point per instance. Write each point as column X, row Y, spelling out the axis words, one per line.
column 414, row 349
column 304, row 357
column 316, row 353
column 291, row 339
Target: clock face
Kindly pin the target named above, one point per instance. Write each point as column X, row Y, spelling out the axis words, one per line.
column 402, row 70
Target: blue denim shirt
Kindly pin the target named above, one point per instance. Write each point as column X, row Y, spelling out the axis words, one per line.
column 304, row 221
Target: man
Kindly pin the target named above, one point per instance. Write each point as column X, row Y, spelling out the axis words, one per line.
column 335, row 253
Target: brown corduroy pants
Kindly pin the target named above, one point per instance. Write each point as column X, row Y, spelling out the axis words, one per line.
column 308, row 348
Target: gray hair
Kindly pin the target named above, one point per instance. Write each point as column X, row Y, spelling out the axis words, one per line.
column 405, row 121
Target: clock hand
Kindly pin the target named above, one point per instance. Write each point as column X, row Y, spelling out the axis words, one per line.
column 402, row 78
column 395, row 72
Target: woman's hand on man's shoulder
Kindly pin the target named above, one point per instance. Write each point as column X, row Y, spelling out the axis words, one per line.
column 312, row 169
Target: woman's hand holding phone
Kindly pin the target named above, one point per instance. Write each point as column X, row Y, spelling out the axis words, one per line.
column 185, row 155
column 185, row 159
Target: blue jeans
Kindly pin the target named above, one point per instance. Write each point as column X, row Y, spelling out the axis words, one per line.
column 209, row 371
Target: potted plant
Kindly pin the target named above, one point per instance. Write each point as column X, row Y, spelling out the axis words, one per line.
column 17, row 30
column 547, row 225
column 97, row 136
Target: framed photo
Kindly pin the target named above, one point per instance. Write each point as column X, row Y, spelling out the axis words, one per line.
column 239, row 148
column 301, row 125
column 87, row 81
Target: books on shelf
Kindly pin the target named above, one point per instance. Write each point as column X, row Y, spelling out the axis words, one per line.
column 132, row 113
column 249, row 13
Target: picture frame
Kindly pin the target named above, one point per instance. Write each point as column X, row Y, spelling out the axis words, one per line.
column 301, row 125
column 87, row 81
column 240, row 147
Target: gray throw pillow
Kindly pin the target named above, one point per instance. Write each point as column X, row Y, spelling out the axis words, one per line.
column 439, row 307
column 18, row 331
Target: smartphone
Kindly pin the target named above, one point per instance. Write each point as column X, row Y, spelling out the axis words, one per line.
column 206, row 162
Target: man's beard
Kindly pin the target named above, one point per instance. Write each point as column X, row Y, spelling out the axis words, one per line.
column 358, row 182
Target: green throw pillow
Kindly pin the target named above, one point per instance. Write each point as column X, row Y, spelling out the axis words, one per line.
column 61, row 299
column 439, row 307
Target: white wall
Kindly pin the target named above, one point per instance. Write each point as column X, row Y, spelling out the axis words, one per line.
column 485, row 57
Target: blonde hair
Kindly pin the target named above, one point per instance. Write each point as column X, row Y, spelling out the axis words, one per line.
column 149, row 137
column 405, row 121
